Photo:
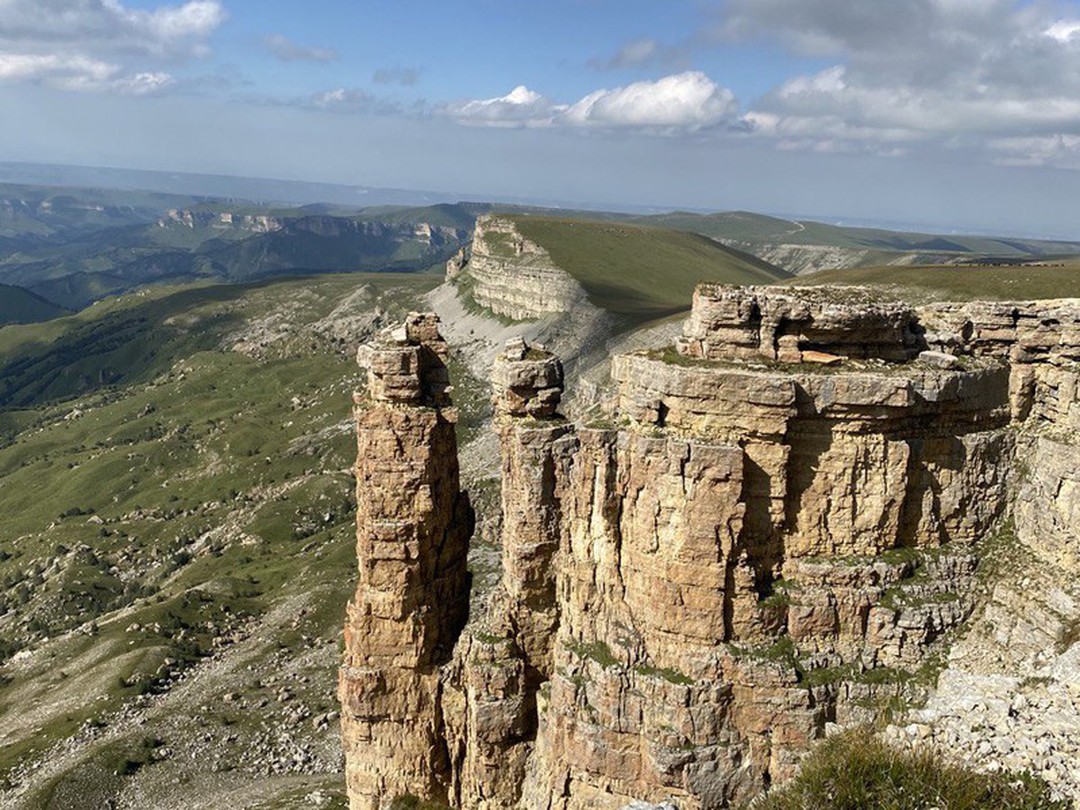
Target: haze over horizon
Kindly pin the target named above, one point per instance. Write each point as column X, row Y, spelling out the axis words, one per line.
column 954, row 113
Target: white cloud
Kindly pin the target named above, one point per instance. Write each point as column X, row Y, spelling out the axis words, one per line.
column 79, row 73
column 1063, row 30
column 338, row 97
column 683, row 102
column 946, row 72
column 520, row 107
column 288, row 51
column 19, row 66
column 350, row 100
column 102, row 44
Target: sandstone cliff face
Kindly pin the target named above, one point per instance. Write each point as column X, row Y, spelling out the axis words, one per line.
column 413, row 528
column 780, row 522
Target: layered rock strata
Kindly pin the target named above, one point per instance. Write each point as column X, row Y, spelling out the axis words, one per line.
column 513, row 276
column 499, row 674
column 411, row 602
column 753, row 546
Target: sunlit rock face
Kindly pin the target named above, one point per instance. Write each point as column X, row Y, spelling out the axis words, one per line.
column 775, row 527
column 411, row 602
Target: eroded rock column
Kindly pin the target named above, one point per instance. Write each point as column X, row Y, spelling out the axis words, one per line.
column 537, row 450
column 413, row 528
column 509, row 652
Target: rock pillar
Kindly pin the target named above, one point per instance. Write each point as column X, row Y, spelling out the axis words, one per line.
column 537, row 449
column 413, row 527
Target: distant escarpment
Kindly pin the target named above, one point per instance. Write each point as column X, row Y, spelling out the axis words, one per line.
column 512, row 276
column 801, row 258
column 778, row 530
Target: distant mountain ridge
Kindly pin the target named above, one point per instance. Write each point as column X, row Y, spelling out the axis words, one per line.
column 804, row 246
column 73, row 246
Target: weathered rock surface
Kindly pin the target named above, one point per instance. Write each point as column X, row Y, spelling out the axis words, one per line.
column 413, row 528
column 753, row 547
column 778, row 323
column 514, row 277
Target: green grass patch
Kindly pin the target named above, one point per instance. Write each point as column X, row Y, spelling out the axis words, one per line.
column 960, row 282
column 858, row 771
column 666, row 673
column 597, row 651
column 639, row 273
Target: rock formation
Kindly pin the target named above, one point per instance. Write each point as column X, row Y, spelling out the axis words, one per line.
column 514, row 277
column 413, row 528
column 776, row 527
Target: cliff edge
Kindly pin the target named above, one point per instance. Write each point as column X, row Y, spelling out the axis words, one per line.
column 785, row 524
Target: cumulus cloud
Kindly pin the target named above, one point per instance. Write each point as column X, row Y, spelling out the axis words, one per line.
column 288, row 51
column 520, row 107
column 989, row 73
column 688, row 100
column 683, row 102
column 102, row 44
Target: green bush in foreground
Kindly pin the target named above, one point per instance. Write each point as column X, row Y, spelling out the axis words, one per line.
column 858, row 771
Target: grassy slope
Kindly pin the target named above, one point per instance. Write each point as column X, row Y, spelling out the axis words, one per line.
column 22, row 306
column 965, row 283
column 205, row 485
column 749, row 227
column 638, row 273
column 858, row 771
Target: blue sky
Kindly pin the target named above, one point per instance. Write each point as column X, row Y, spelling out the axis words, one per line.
column 951, row 113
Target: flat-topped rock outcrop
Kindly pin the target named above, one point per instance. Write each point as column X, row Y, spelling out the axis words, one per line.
column 777, row 528
column 784, row 323
column 513, row 276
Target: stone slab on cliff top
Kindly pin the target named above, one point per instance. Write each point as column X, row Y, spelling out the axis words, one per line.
column 779, row 323
column 749, row 549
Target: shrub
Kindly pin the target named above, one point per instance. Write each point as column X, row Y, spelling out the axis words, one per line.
column 856, row 770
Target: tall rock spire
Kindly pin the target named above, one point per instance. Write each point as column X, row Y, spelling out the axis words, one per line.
column 413, row 526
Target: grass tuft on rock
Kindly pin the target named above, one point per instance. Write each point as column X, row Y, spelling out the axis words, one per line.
column 857, row 770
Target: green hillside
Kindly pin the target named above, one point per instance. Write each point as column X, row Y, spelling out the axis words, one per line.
column 178, row 541
column 743, row 226
column 640, row 273
column 22, row 306
column 962, row 283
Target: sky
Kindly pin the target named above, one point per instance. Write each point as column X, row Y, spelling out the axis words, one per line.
column 956, row 114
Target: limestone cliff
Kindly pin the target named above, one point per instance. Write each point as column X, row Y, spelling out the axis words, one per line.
column 512, row 276
column 774, row 531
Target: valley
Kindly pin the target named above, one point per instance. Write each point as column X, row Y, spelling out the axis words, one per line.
column 177, row 479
